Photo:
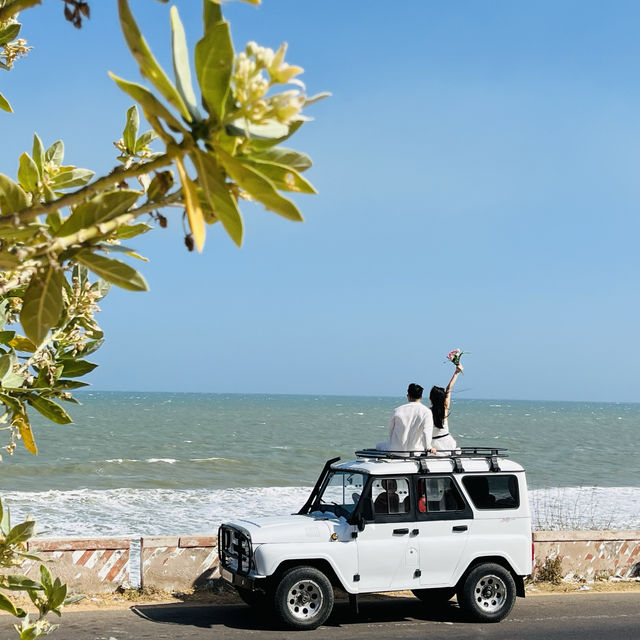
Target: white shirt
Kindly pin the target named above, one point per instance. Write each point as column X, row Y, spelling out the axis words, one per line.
column 410, row 428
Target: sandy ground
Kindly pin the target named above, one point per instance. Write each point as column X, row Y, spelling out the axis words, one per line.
column 226, row 595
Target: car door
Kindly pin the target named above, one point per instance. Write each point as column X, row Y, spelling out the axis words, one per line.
column 444, row 521
column 386, row 558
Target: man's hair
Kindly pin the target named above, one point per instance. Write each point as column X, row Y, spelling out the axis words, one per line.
column 415, row 391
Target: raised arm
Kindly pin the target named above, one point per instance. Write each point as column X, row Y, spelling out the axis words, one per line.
column 447, row 391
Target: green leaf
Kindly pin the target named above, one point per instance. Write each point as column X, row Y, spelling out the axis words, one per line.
column 55, row 153
column 20, row 343
column 260, row 144
column 49, row 409
column 181, row 65
column 5, row 522
column 9, row 33
column 268, row 131
column 6, row 337
column 12, row 196
column 143, row 141
column 259, row 187
column 71, row 178
column 283, row 177
column 100, row 208
column 38, row 153
column 10, row 402
column 113, row 271
column 214, row 63
column 212, row 14
column 91, row 347
column 216, row 190
column 73, row 368
column 151, row 106
column 133, row 230
column 42, row 304
column 67, row 385
column 7, row 605
column 130, row 132
column 294, row 159
column 5, row 363
column 4, row 104
column 149, row 67
column 20, row 533
column 160, row 185
column 28, row 173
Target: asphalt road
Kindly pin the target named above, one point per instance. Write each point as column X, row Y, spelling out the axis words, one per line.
column 587, row 616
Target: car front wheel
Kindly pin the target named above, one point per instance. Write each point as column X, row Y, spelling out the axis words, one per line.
column 488, row 593
column 303, row 598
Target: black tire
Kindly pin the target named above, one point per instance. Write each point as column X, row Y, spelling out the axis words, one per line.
column 488, row 593
column 255, row 599
column 434, row 596
column 303, row 598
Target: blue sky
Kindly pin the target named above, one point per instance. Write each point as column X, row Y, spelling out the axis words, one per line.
column 477, row 169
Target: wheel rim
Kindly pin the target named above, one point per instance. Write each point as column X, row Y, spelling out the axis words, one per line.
column 490, row 593
column 304, row 600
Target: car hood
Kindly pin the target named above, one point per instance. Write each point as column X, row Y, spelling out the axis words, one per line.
column 283, row 529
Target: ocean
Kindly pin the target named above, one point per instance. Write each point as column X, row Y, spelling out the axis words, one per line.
column 179, row 463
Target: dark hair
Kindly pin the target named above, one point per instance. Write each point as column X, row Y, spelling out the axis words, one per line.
column 415, row 391
column 437, row 396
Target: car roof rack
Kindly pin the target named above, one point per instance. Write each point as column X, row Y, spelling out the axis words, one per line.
column 456, row 455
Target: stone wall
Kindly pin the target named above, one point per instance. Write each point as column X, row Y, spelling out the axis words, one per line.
column 179, row 563
column 590, row 554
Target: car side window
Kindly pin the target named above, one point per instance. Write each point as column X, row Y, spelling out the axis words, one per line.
column 390, row 496
column 439, row 495
column 493, row 491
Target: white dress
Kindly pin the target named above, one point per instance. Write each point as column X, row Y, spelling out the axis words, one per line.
column 442, row 440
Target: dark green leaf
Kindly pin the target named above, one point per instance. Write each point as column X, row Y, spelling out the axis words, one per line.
column 214, row 62
column 42, row 304
column 68, row 385
column 149, row 67
column 55, row 153
column 9, row 32
column 12, row 196
column 49, row 409
column 76, row 368
column 91, row 347
column 130, row 133
column 212, row 181
column 282, row 155
column 100, row 208
column 28, row 173
column 10, row 402
column 151, row 106
column 259, row 187
column 6, row 337
column 54, row 220
column 113, row 271
column 283, row 177
column 71, row 178
column 181, row 65
column 5, row 362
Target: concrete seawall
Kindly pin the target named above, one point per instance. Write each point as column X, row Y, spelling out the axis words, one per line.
column 179, row 563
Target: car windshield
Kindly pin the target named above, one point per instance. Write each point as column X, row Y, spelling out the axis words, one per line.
column 341, row 492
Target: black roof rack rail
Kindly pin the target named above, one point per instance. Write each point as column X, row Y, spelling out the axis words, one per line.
column 490, row 453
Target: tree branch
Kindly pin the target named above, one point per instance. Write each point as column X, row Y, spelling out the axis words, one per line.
column 15, row 7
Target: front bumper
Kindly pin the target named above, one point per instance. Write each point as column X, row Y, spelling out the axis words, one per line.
column 237, row 580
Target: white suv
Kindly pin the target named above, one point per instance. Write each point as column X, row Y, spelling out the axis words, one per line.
column 438, row 525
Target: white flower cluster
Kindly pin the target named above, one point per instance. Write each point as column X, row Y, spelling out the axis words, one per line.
column 250, row 85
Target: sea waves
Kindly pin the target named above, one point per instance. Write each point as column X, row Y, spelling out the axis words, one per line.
column 162, row 511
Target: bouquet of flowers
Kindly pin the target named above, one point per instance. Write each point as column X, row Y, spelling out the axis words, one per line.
column 455, row 355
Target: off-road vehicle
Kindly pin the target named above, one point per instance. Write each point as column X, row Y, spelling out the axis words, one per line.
column 445, row 525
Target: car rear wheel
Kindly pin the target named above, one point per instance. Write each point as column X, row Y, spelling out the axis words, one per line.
column 304, row 598
column 488, row 593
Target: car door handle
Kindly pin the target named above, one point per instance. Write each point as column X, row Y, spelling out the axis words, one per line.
column 461, row 527
column 400, row 532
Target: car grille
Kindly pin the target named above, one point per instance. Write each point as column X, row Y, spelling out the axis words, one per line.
column 234, row 550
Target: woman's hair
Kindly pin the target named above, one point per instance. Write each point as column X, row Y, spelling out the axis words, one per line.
column 437, row 396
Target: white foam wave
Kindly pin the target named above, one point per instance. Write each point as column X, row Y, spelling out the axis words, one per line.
column 135, row 512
